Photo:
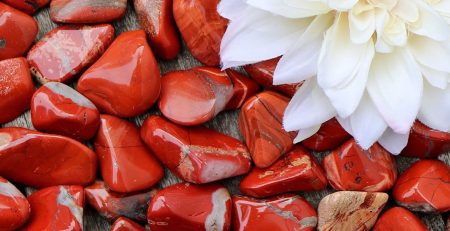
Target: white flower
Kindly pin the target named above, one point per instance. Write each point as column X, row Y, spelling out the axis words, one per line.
column 375, row 65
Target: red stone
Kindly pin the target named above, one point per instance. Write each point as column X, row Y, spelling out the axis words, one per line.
column 425, row 142
column 16, row 88
column 87, row 11
column 201, row 27
column 14, row 207
column 40, row 160
column 399, row 219
column 113, row 205
column 125, row 81
column 17, row 32
column 56, row 208
column 125, row 163
column 243, row 89
column 295, row 171
column 197, row 154
column 260, row 123
column 190, row 207
column 59, row 109
column 424, row 187
column 27, row 6
column 351, row 168
column 156, row 18
column 125, row 224
column 330, row 135
column 65, row 51
column 282, row 213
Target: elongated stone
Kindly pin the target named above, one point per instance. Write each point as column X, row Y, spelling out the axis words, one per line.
column 87, row 11
column 330, row 136
column 27, row 6
column 425, row 142
column 14, row 207
column 399, row 219
column 243, row 89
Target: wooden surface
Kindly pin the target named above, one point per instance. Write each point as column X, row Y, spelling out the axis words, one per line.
column 225, row 122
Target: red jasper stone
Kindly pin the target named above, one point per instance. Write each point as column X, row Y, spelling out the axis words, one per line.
column 125, row 224
column 197, row 154
column 17, row 32
column 195, row 96
column 87, row 11
column 295, row 171
column 190, row 207
column 40, row 160
column 156, row 18
column 16, row 88
column 192, row 16
column 125, row 163
column 14, row 207
column 399, row 219
column 330, row 135
column 243, row 89
column 59, row 109
column 260, row 123
column 351, row 168
column 125, row 81
column 425, row 142
column 424, row 187
column 282, row 213
column 56, row 208
column 67, row 50
column 112, row 205
column 27, row 6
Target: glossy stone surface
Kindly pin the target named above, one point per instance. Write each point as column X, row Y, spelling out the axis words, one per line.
column 59, row 109
column 16, row 88
column 260, row 123
column 424, row 187
column 348, row 210
column 14, row 38
column 196, row 154
column 125, row 81
column 195, row 96
column 192, row 16
column 56, row 208
column 399, row 219
column 40, row 160
column 330, row 135
column 282, row 213
column 425, row 142
column 14, row 207
column 297, row 170
column 243, row 89
column 64, row 52
column 27, row 6
column 126, row 164
column 190, row 207
column 125, row 224
column 351, row 168
column 87, row 11
column 156, row 18
column 112, row 205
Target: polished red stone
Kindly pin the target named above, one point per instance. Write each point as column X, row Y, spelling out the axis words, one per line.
column 197, row 154
column 65, row 51
column 40, row 160
column 59, row 109
column 425, row 142
column 156, row 18
column 125, row 163
column 14, row 207
column 424, row 187
column 17, row 32
column 112, row 205
column 125, row 81
column 27, row 6
column 243, row 89
column 399, row 219
column 56, row 208
column 201, row 27
column 190, row 207
column 351, row 168
column 330, row 135
column 125, row 224
column 87, row 11
column 296, row 171
column 260, row 123
column 195, row 96
column 282, row 213
column 16, row 88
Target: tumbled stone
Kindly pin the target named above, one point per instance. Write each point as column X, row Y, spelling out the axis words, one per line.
column 190, row 207
column 126, row 164
column 27, row 6
column 87, row 11
column 40, row 160
column 64, row 52
column 424, row 187
column 125, row 224
column 243, row 89
column 125, row 81
column 425, row 142
column 14, row 207
column 330, row 135
column 348, row 210
column 399, row 219
column 197, row 154
column 282, row 213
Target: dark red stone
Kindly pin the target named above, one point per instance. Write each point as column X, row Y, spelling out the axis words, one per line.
column 399, row 219
column 27, row 6
column 14, row 207
column 425, row 142
column 243, row 89
column 87, row 11
column 125, row 224
column 330, row 135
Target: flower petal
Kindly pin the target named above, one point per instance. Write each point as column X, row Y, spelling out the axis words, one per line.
column 304, row 134
column 231, row 9
column 430, row 23
column 430, row 53
column 437, row 79
column 342, row 5
column 393, row 142
column 435, row 110
column 291, row 8
column 361, row 22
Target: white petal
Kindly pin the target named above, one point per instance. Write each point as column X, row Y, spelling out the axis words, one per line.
column 437, row 79
column 435, row 110
column 406, row 10
column 393, row 142
column 231, row 9
column 443, row 7
column 430, row 53
column 362, row 22
column 304, row 134
column 342, row 5
column 430, row 23
column 291, row 8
